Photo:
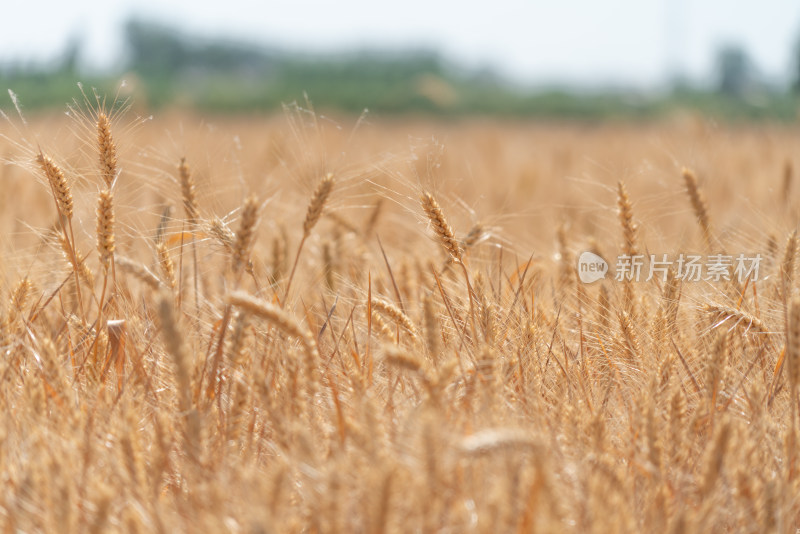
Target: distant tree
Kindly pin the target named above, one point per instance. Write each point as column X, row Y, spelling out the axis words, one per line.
column 160, row 50
column 735, row 71
column 154, row 49
column 796, row 68
column 71, row 56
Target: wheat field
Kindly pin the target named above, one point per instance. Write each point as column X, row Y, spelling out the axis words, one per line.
column 310, row 324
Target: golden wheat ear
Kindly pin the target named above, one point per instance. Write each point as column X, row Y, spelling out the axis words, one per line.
column 167, row 265
column 629, row 245
column 788, row 265
column 440, row 227
column 315, row 208
column 284, row 322
column 243, row 241
column 699, row 205
column 451, row 245
column 62, row 195
column 105, row 227
column 58, row 185
column 629, row 228
column 107, row 149
column 395, row 314
column 317, row 204
column 793, row 351
column 188, row 192
column 139, row 271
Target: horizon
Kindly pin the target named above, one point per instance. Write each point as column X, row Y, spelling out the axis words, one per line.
column 674, row 39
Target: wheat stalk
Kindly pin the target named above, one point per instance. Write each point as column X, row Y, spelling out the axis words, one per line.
column 84, row 271
column 192, row 217
column 62, row 194
column 315, row 208
column 171, row 333
column 447, row 239
column 372, row 221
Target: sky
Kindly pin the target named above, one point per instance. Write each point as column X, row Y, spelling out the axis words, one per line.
column 629, row 43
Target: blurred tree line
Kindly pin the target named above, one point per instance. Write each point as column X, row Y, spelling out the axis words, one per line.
column 170, row 68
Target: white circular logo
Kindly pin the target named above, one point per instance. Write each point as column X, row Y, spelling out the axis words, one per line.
column 591, row 267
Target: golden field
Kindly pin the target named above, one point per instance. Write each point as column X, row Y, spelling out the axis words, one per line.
column 342, row 325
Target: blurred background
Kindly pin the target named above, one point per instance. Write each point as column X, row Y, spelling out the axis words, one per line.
column 578, row 58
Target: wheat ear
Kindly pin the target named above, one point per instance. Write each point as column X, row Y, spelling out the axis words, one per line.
column 84, row 271
column 788, row 177
column 629, row 231
column 372, row 222
column 172, row 335
column 105, row 228
column 139, row 271
column 629, row 228
column 173, row 342
column 664, row 322
column 167, row 265
column 698, row 205
column 448, row 240
column 105, row 242
column 192, row 217
column 58, row 185
column 284, row 322
column 395, row 314
column 397, row 357
column 243, row 241
column 442, row 230
column 314, row 212
column 793, row 354
column 239, row 246
column 317, row 204
column 220, row 231
column 188, row 193
column 274, row 315
column 107, row 149
column 62, row 195
column 741, row 319
column 788, row 266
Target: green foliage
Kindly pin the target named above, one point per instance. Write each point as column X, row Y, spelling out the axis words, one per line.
column 216, row 75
